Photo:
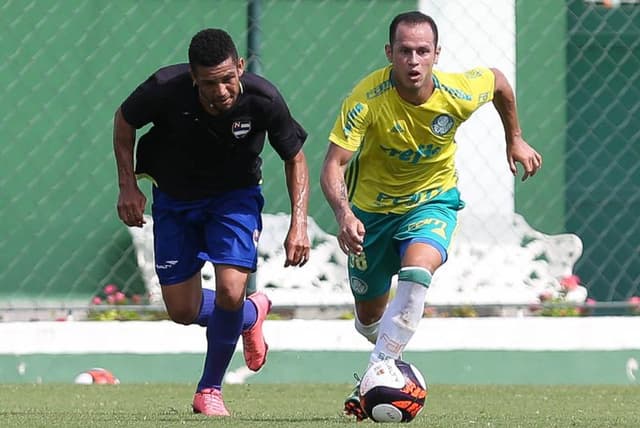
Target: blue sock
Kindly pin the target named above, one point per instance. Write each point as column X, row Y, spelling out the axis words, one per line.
column 223, row 332
column 206, row 307
column 250, row 315
column 250, row 312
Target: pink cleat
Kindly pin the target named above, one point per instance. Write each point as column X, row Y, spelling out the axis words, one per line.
column 255, row 347
column 209, row 402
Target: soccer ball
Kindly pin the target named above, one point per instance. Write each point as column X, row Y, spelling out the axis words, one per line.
column 96, row 376
column 392, row 391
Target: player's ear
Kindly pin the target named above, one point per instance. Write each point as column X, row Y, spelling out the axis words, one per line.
column 437, row 55
column 193, row 76
column 388, row 52
column 240, row 66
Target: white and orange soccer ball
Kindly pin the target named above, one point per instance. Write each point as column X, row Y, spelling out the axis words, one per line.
column 393, row 391
column 96, row 376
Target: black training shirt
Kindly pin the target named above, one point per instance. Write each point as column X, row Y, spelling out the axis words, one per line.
column 191, row 154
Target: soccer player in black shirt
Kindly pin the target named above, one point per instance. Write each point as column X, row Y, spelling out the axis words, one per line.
column 209, row 121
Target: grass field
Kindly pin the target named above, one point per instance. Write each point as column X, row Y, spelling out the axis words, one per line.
column 300, row 405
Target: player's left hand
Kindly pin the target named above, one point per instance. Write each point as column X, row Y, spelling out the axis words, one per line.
column 297, row 247
column 518, row 150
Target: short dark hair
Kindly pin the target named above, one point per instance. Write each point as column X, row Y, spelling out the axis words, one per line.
column 413, row 17
column 210, row 47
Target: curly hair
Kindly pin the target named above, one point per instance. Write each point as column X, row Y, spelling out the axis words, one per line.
column 211, row 47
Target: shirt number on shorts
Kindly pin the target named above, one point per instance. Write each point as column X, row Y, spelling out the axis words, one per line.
column 358, row 261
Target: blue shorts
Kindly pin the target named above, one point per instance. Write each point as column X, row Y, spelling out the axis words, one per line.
column 222, row 229
column 387, row 237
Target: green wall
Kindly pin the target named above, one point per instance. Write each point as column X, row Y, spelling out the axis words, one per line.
column 578, row 95
column 540, row 87
column 66, row 66
column 603, row 188
column 453, row 367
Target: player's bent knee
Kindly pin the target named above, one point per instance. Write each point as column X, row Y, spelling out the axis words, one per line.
column 182, row 315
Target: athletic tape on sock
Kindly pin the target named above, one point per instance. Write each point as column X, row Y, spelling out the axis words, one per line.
column 370, row 332
column 415, row 274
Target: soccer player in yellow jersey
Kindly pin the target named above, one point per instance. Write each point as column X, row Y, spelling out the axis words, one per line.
column 390, row 178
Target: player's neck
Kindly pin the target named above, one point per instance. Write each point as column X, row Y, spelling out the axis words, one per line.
column 417, row 96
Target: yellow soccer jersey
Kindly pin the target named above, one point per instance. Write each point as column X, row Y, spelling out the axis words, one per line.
column 405, row 153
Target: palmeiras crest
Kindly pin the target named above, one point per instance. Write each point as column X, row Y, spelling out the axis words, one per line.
column 442, row 124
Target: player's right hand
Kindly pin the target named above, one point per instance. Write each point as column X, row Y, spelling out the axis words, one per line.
column 350, row 234
column 131, row 203
column 520, row 151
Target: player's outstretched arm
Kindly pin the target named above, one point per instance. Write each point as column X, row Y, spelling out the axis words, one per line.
column 350, row 229
column 131, row 201
column 297, row 245
column 518, row 150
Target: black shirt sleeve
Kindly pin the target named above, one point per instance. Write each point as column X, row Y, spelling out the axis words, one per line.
column 285, row 134
column 143, row 105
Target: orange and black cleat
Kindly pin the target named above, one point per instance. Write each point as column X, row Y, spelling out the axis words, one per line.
column 352, row 405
